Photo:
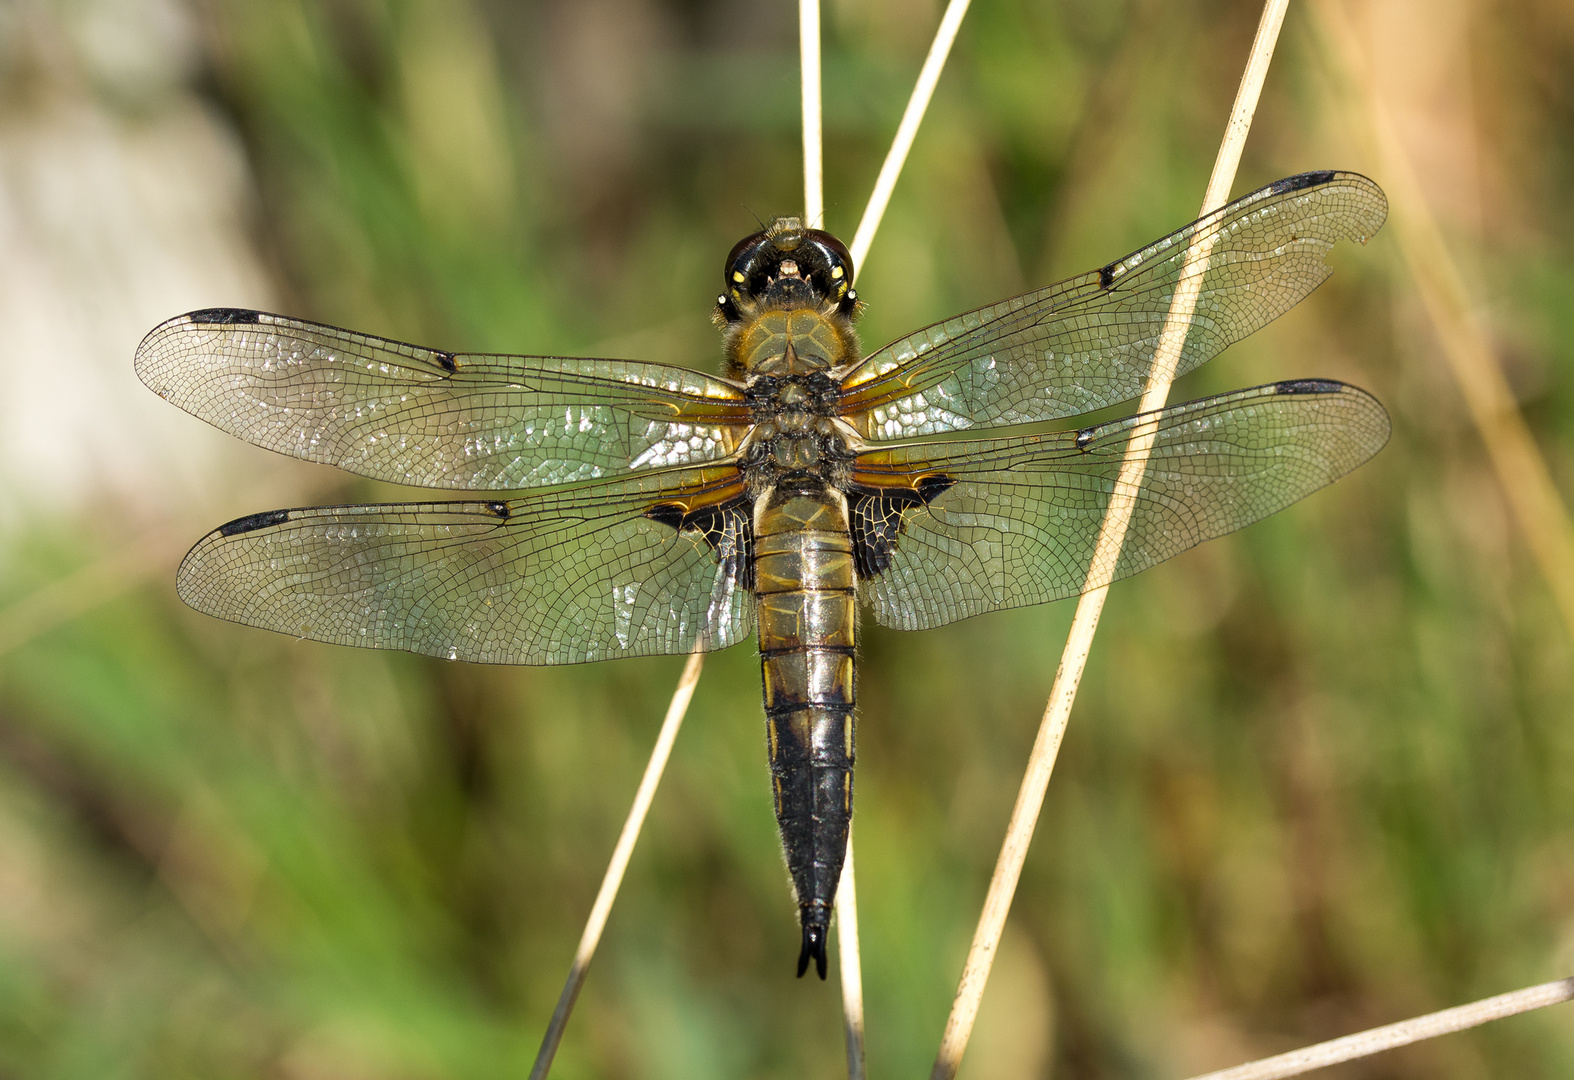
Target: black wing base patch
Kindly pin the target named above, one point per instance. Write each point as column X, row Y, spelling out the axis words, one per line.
column 727, row 529
column 876, row 517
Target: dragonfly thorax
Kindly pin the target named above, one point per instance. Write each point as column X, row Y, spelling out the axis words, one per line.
column 796, row 341
column 795, row 430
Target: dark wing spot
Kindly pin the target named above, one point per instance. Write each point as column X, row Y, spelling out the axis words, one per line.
column 1086, row 436
column 668, row 514
column 933, row 486
column 876, row 522
column 253, row 522
column 446, row 359
column 875, row 516
column 498, row 509
column 224, row 316
column 1106, row 276
column 1308, row 386
column 728, row 530
column 1301, row 181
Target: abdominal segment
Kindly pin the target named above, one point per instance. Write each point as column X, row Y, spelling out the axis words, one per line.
column 804, row 583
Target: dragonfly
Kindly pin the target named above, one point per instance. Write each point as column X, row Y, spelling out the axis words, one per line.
column 616, row 508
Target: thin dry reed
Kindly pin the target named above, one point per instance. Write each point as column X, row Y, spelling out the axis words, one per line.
column 1376, row 1040
column 1462, row 333
column 621, row 852
column 907, row 131
column 1073, row 660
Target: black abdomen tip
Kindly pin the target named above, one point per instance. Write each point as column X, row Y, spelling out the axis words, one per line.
column 813, row 945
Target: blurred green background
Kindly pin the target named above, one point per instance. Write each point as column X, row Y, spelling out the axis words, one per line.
column 1321, row 772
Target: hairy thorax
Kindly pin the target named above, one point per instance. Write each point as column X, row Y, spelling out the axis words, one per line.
column 787, row 360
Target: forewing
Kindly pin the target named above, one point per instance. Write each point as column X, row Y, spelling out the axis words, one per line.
column 556, row 577
column 411, row 415
column 1020, row 518
column 1089, row 341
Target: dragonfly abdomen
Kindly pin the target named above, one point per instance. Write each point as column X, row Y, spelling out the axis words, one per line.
column 804, row 583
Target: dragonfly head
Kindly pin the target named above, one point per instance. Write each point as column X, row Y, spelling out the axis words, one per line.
column 786, row 266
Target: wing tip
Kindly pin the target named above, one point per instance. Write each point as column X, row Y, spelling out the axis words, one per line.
column 152, row 359
column 1378, row 427
column 1371, row 220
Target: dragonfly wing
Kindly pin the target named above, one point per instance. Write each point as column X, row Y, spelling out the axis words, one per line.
column 631, row 567
column 1088, row 342
column 411, row 415
column 1005, row 523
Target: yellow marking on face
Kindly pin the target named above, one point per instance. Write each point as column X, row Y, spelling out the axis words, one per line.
column 836, row 273
column 737, row 275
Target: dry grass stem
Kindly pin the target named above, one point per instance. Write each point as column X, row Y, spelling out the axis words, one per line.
column 618, row 864
column 868, row 225
column 814, row 212
column 813, row 155
column 907, row 130
column 1041, row 761
column 1375, row 1041
column 1461, row 331
column 851, row 967
column 814, row 216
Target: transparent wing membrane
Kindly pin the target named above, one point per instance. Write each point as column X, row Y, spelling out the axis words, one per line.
column 411, row 415
column 632, row 533
column 1087, row 342
column 558, row 577
column 1019, row 522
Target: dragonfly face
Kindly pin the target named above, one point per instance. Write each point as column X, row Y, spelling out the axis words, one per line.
column 655, row 510
column 784, row 266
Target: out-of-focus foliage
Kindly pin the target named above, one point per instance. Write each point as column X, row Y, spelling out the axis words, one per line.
column 1319, row 775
